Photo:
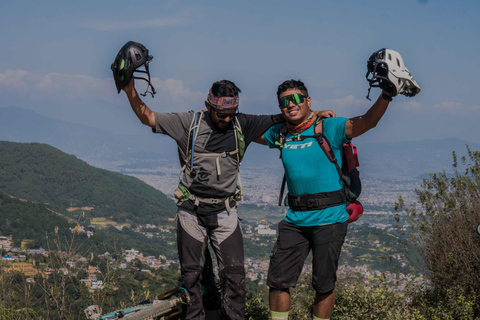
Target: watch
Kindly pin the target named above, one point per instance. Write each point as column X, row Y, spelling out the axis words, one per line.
column 386, row 97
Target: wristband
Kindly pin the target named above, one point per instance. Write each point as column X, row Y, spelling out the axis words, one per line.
column 386, row 97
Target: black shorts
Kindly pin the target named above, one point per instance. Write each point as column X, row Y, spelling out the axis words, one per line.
column 292, row 247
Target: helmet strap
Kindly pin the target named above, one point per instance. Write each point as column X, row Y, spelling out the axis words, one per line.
column 368, row 94
column 152, row 92
column 373, row 81
column 148, row 80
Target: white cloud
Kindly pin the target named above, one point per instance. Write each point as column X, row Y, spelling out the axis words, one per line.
column 455, row 107
column 16, row 79
column 121, row 26
column 182, row 98
column 72, row 86
column 53, row 82
column 314, row 82
column 343, row 102
column 408, row 105
column 184, row 18
column 450, row 106
column 78, row 89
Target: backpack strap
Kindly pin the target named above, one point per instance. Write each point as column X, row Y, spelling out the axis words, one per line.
column 282, row 137
column 240, row 143
column 194, row 128
column 352, row 161
column 192, row 135
column 282, row 190
column 325, row 145
column 316, row 201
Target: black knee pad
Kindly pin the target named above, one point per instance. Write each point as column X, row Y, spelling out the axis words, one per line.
column 190, row 275
column 232, row 270
column 189, row 279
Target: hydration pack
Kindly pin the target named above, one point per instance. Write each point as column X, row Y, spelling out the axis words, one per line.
column 215, row 168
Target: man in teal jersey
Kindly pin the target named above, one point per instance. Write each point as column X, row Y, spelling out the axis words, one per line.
column 319, row 226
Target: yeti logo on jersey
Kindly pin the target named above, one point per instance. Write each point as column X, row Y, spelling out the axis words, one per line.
column 298, row 146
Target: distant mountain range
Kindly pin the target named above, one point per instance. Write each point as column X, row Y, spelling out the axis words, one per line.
column 23, row 125
column 395, row 160
column 411, row 159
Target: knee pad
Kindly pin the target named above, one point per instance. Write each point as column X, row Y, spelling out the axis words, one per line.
column 233, row 270
column 189, row 279
column 190, row 275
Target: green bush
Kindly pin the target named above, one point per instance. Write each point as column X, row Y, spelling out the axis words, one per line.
column 256, row 307
column 444, row 223
column 450, row 304
column 363, row 302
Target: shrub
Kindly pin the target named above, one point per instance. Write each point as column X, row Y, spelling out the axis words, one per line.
column 444, row 226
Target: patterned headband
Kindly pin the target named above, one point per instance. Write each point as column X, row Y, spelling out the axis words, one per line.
column 222, row 103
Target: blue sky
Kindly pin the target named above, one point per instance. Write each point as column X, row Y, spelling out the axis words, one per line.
column 56, row 55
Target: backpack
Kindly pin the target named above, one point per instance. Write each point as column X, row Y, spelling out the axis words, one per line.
column 348, row 173
column 213, row 164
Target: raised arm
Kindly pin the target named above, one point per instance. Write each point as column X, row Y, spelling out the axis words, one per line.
column 143, row 112
column 359, row 125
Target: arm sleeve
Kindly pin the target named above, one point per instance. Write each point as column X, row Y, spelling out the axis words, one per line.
column 173, row 124
column 334, row 129
column 254, row 126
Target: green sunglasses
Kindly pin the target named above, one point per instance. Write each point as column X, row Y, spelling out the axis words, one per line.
column 295, row 98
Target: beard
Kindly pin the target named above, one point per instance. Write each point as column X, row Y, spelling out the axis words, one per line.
column 220, row 125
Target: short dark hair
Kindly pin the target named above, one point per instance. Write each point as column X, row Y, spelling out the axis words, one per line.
column 225, row 88
column 292, row 84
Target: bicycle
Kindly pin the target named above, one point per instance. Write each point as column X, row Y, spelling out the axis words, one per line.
column 168, row 306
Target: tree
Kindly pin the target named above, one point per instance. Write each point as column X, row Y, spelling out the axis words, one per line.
column 444, row 223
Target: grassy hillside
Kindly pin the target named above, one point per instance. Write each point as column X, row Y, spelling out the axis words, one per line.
column 28, row 220
column 41, row 225
column 41, row 173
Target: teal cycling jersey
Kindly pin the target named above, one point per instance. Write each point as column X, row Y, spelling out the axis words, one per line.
column 308, row 170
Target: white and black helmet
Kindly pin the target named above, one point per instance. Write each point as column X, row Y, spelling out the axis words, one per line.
column 386, row 69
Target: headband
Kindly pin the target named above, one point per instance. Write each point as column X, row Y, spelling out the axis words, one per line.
column 222, row 103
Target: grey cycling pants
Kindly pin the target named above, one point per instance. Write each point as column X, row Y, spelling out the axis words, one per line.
column 225, row 235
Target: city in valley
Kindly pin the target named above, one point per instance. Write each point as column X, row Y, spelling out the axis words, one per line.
column 261, row 187
column 372, row 251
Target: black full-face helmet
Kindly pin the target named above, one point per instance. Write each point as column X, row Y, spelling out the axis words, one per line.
column 131, row 56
